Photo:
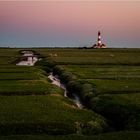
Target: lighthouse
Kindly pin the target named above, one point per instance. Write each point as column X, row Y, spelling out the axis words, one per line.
column 99, row 42
column 99, row 39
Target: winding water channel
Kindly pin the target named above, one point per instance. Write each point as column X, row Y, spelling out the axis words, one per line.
column 29, row 59
column 56, row 81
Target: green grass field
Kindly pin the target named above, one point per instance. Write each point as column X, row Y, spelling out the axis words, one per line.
column 32, row 108
column 93, row 56
column 24, row 80
column 109, row 136
column 30, row 104
column 37, row 115
column 114, row 75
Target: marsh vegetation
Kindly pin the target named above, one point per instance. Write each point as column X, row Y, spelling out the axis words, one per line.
column 106, row 81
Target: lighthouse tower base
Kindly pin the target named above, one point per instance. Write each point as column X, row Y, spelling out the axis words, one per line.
column 99, row 46
column 99, row 42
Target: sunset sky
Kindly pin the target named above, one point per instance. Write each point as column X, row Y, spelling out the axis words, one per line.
column 69, row 23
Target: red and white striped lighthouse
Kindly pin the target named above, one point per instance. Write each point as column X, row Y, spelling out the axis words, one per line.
column 99, row 42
